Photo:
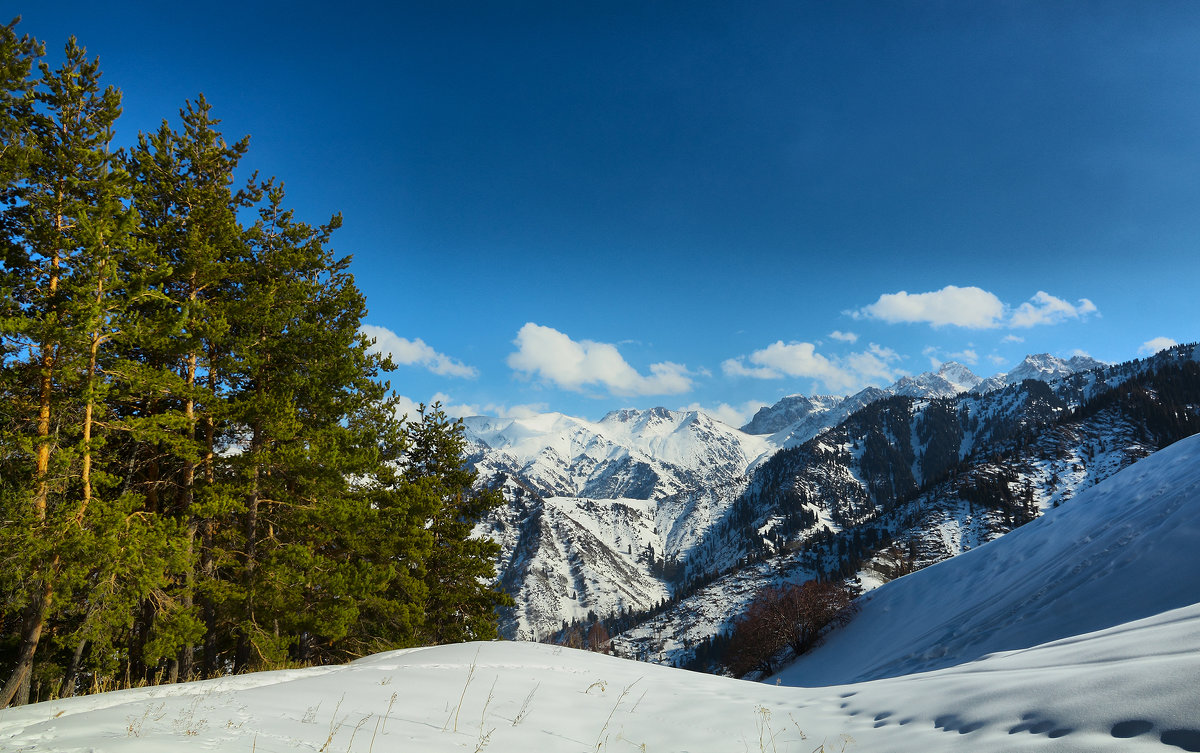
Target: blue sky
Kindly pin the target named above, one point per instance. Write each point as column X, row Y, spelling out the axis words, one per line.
column 586, row 206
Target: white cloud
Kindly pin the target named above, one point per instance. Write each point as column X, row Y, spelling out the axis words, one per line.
column 972, row 308
column 734, row 367
column 405, row 352
column 793, row 359
column 556, row 358
column 407, row 407
column 937, row 356
column 969, row 307
column 871, row 367
column 1151, row 347
column 1012, row 339
column 846, row 337
column 800, row 359
column 1044, row 308
column 728, row 414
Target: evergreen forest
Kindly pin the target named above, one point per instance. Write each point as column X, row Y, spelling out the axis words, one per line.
column 202, row 470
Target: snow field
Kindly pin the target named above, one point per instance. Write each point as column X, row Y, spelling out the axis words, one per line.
column 1087, row 693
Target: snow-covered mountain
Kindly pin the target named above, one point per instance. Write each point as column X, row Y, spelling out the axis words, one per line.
column 796, row 419
column 826, row 412
column 647, row 454
column 791, row 410
column 600, row 512
column 678, row 519
column 1079, row 633
column 950, row 379
column 1121, row 551
column 1043, row 367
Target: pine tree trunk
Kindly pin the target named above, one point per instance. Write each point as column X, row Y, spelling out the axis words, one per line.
column 31, row 634
column 46, row 386
column 208, row 612
column 139, row 669
column 187, row 655
column 86, row 472
column 67, row 689
column 97, row 337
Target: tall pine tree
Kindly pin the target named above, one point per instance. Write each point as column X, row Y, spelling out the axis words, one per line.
column 201, row 468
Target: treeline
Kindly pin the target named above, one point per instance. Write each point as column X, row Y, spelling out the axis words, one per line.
column 201, row 471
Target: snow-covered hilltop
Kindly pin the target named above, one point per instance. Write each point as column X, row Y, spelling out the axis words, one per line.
column 1079, row 633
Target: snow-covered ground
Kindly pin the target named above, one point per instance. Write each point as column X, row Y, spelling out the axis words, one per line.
column 992, row 642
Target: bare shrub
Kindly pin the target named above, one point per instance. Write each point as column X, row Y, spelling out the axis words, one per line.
column 786, row 616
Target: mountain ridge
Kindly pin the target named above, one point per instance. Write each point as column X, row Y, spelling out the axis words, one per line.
column 821, row 504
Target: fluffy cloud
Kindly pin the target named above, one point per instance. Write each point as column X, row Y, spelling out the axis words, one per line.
column 835, row 374
column 1150, row 347
column 937, row 356
column 846, row 337
column 556, row 358
column 1044, row 308
column 735, row 368
column 972, row 308
column 405, row 352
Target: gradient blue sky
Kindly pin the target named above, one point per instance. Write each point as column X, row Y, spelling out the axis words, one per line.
column 587, row 206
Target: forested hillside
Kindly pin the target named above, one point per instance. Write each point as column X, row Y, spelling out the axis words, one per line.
column 201, row 468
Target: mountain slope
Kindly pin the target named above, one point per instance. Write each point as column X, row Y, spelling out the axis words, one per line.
column 1118, row 552
column 611, row 519
column 849, row 503
column 797, row 419
column 600, row 512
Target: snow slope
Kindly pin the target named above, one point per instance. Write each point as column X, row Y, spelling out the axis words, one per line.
column 1089, row 693
column 1120, row 551
column 1110, row 555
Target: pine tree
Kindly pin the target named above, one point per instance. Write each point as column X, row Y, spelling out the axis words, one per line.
column 325, row 528
column 194, row 244
column 69, row 221
column 198, row 454
column 462, row 601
